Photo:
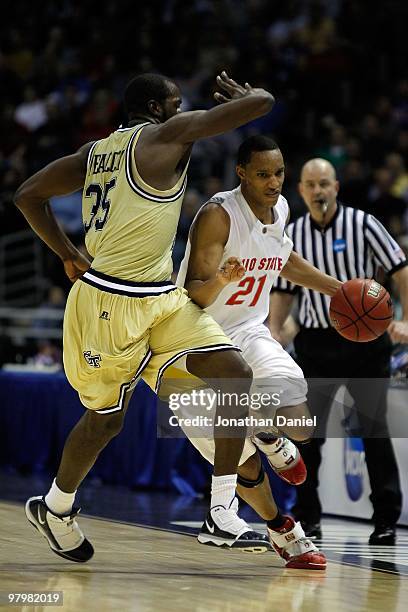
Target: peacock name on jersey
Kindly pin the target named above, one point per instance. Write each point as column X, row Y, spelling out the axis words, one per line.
column 106, row 162
column 263, row 263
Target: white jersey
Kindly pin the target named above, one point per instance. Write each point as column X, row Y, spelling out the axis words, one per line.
column 263, row 250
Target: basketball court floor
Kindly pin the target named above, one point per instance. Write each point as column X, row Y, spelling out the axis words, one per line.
column 147, row 559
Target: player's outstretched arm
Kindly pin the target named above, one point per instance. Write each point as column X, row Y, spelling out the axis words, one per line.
column 65, row 175
column 237, row 105
column 300, row 272
column 207, row 274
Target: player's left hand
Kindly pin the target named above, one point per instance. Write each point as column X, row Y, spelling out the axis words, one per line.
column 231, row 271
column 398, row 331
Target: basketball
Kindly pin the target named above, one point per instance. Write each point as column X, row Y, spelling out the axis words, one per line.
column 361, row 310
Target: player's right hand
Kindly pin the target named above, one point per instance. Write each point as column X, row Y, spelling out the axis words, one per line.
column 76, row 265
column 232, row 88
column 231, row 271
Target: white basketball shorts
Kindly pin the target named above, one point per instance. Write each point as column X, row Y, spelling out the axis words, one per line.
column 274, row 372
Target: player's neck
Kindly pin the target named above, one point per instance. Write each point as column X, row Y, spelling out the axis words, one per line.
column 137, row 119
column 265, row 214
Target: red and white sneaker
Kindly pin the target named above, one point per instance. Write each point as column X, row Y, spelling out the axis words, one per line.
column 284, row 458
column 295, row 548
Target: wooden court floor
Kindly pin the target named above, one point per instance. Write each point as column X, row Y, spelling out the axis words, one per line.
column 146, row 569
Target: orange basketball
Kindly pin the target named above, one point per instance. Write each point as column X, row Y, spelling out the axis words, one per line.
column 361, row 310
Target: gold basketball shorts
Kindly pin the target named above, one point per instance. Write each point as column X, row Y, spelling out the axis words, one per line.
column 116, row 331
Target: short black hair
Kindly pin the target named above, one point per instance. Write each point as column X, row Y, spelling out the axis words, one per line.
column 145, row 87
column 253, row 144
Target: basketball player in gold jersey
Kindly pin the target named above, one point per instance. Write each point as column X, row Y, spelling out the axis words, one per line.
column 124, row 318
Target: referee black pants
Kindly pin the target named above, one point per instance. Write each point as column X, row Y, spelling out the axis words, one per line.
column 324, row 354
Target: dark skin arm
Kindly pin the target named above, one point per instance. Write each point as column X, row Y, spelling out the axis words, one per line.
column 280, row 305
column 300, row 272
column 163, row 147
column 398, row 330
column 62, row 176
column 206, row 275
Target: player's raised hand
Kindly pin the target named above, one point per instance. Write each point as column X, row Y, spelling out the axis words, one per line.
column 231, row 271
column 76, row 266
column 231, row 88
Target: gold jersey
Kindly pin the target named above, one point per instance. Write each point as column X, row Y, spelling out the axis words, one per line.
column 130, row 227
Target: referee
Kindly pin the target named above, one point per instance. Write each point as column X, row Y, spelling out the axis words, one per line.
column 346, row 243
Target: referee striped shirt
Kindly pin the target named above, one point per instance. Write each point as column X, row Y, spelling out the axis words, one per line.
column 353, row 245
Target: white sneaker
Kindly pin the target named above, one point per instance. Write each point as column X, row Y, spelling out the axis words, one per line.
column 295, row 548
column 61, row 532
column 284, row 458
column 223, row 527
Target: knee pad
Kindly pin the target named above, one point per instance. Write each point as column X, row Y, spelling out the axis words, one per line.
column 250, row 484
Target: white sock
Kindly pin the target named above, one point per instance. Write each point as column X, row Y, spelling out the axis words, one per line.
column 58, row 501
column 223, row 490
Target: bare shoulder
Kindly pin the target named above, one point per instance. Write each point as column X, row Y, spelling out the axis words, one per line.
column 212, row 223
column 83, row 152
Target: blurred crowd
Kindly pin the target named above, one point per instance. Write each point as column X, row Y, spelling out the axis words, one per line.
column 337, row 69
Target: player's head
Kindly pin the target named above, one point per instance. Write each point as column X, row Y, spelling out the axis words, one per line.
column 318, row 187
column 261, row 170
column 152, row 96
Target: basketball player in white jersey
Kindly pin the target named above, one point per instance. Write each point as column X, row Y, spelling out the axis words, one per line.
column 236, row 249
column 124, row 317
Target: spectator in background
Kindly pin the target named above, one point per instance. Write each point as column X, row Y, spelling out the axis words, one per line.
column 394, row 162
column 12, row 134
column 401, row 104
column 384, row 113
column 31, row 113
column 402, row 144
column 336, row 149
column 49, row 345
column 374, row 141
column 354, row 185
column 291, row 21
column 55, row 301
column 318, row 34
column 389, row 209
column 19, row 56
column 100, row 117
column 48, row 355
column 10, row 84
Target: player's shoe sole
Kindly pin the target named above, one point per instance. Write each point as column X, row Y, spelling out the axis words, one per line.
column 37, row 514
column 248, row 546
column 308, row 561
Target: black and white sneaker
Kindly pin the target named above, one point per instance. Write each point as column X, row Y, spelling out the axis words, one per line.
column 223, row 527
column 61, row 532
column 383, row 535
